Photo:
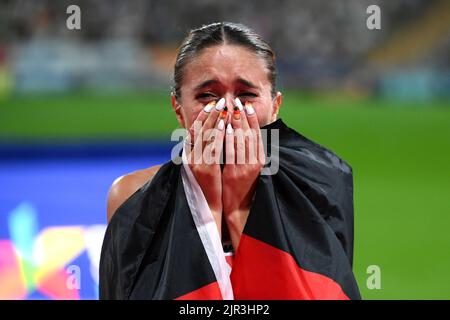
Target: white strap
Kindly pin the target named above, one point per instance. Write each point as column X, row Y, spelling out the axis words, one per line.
column 207, row 229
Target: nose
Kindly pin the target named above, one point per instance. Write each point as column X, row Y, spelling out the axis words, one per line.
column 229, row 100
column 229, row 103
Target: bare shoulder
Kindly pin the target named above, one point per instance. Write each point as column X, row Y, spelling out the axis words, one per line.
column 124, row 186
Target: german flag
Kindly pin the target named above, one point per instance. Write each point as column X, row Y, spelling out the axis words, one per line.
column 297, row 242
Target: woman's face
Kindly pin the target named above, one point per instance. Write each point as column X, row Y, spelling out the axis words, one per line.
column 227, row 71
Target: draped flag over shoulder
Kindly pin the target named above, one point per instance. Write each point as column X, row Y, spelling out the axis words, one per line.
column 297, row 243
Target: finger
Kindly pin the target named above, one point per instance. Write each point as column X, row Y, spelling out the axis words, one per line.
column 239, row 145
column 214, row 143
column 203, row 115
column 211, row 121
column 202, row 136
column 202, row 133
column 213, row 118
column 236, row 122
column 239, row 115
column 218, row 141
column 198, row 122
column 236, row 119
column 229, row 145
column 238, row 136
column 196, row 151
column 250, row 136
column 253, row 123
column 221, row 121
column 250, row 116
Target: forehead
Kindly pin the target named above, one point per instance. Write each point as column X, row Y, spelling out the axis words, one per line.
column 226, row 63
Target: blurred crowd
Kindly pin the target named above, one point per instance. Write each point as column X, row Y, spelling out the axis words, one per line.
column 319, row 44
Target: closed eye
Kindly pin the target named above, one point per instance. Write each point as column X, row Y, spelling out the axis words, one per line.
column 205, row 95
column 248, row 94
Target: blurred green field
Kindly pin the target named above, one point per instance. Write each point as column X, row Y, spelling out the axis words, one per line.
column 400, row 154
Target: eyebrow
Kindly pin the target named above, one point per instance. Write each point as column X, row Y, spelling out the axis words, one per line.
column 206, row 84
column 247, row 83
column 209, row 82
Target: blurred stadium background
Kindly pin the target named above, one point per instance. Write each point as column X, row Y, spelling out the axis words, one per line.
column 79, row 108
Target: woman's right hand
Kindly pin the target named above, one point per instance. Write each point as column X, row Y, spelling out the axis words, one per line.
column 203, row 155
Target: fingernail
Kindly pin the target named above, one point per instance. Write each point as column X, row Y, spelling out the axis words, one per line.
column 223, row 114
column 221, row 125
column 229, row 129
column 249, row 108
column 220, row 104
column 236, row 113
column 239, row 104
column 209, row 106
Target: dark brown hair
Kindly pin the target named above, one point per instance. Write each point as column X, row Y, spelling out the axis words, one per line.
column 219, row 33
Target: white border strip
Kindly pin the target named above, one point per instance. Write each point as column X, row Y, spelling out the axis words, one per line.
column 207, row 229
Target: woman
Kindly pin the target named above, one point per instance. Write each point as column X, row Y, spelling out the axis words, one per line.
column 212, row 229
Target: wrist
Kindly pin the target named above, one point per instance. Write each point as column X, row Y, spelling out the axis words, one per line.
column 216, row 210
column 236, row 217
column 236, row 209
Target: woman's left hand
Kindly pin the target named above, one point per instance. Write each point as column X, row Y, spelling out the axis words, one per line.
column 244, row 160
